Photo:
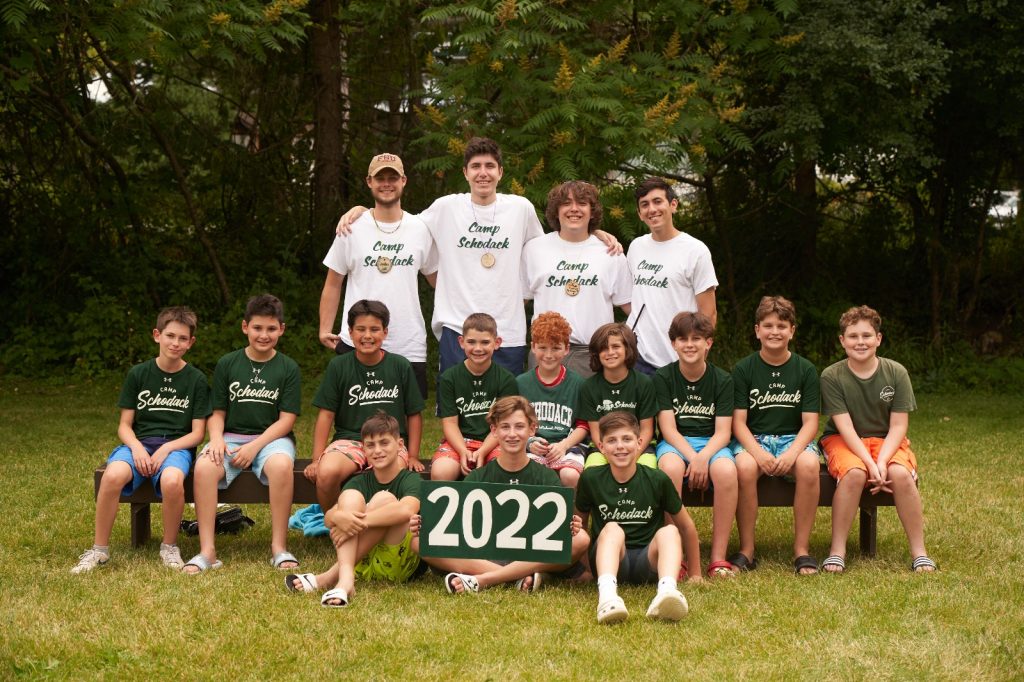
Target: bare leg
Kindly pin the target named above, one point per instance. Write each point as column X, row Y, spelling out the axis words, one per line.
column 172, row 488
column 724, row 478
column 747, row 473
column 569, row 477
column 207, row 476
column 114, row 479
column 844, row 506
column 805, row 503
column 666, row 551
column 908, row 508
column 445, row 469
column 278, row 469
column 611, row 550
column 334, row 469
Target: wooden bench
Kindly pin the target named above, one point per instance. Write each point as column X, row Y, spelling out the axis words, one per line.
column 246, row 489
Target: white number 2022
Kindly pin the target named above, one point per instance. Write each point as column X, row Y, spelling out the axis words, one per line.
column 507, row 538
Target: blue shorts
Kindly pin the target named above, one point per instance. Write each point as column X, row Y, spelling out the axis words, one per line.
column 774, row 445
column 178, row 459
column 698, row 443
column 634, row 569
column 233, row 440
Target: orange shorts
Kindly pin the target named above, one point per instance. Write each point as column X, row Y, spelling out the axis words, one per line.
column 353, row 449
column 841, row 459
column 445, row 449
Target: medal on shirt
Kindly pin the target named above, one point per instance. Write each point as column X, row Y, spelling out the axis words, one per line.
column 487, row 260
column 572, row 287
column 384, row 265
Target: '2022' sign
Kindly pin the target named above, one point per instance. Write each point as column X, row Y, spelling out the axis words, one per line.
column 493, row 521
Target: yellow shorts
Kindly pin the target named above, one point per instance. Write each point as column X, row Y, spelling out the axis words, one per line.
column 394, row 563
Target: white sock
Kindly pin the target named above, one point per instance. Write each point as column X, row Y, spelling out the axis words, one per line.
column 102, row 549
column 667, row 584
column 607, row 587
column 164, row 545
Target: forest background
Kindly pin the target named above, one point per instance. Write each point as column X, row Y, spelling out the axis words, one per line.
column 200, row 151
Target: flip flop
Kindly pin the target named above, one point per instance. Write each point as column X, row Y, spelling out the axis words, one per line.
column 805, row 561
column 612, row 610
column 684, row 572
column 670, row 606
column 923, row 562
column 742, row 562
column 835, row 561
column 307, row 582
column 538, row 578
column 201, row 562
column 721, row 569
column 335, row 594
column 469, row 583
column 282, row 557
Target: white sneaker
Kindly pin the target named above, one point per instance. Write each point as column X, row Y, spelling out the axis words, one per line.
column 612, row 610
column 171, row 556
column 90, row 559
column 668, row 606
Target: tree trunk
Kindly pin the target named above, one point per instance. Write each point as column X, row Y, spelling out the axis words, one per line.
column 328, row 144
column 808, row 220
column 726, row 245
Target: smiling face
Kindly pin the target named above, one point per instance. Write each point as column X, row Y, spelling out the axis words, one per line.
column 860, row 341
column 479, row 347
column 549, row 355
column 621, row 447
column 656, row 211
column 174, row 341
column 692, row 349
column 483, row 173
column 512, row 432
column 613, row 355
column 386, row 187
column 574, row 216
column 381, row 450
column 774, row 333
column 263, row 333
column 368, row 333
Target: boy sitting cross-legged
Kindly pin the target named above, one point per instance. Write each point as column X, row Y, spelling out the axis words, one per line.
column 554, row 391
column 775, row 420
column 355, row 386
column 164, row 405
column 695, row 401
column 512, row 421
column 868, row 400
column 370, row 524
column 632, row 543
column 257, row 394
column 465, row 393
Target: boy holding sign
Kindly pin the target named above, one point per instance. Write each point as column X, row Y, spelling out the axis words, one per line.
column 631, row 541
column 512, row 422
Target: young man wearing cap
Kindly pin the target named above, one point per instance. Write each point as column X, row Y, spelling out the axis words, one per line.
column 386, row 249
column 672, row 273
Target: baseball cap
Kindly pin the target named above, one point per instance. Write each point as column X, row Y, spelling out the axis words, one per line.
column 382, row 161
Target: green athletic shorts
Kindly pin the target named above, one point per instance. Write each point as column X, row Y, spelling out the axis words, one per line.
column 395, row 563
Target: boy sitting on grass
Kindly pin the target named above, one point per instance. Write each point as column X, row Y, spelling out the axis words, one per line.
column 465, row 393
column 695, row 401
column 512, row 422
column 370, row 524
column 632, row 543
column 355, row 386
column 868, row 400
column 164, row 405
column 257, row 394
column 554, row 391
column 775, row 421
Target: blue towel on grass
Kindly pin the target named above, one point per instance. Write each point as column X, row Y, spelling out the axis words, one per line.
column 310, row 520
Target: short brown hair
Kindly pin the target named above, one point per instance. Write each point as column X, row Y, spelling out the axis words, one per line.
column 779, row 305
column 481, row 146
column 686, row 324
column 651, row 184
column 177, row 313
column 505, row 407
column 581, row 191
column 379, row 424
column 858, row 313
column 618, row 420
column 599, row 341
column 367, row 307
column 550, row 327
column 264, row 305
column 481, row 322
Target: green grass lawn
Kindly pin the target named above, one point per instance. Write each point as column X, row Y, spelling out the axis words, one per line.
column 135, row 619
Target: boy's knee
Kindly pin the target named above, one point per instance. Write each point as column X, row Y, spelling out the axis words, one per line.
column 855, row 477
column 382, row 497
column 723, row 471
column 117, row 474
column 807, row 466
column 900, row 476
column 171, row 481
column 278, row 464
column 569, row 477
column 612, row 530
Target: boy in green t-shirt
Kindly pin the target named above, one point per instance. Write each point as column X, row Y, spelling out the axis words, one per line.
column 465, row 392
column 774, row 421
column 257, row 394
column 512, row 422
column 164, row 405
column 695, row 401
column 632, row 543
column 355, row 386
column 370, row 524
column 554, row 390
column 868, row 400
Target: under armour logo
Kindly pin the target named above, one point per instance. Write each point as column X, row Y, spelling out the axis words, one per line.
column 691, row 388
column 776, row 374
column 478, row 383
column 168, row 380
column 623, row 491
column 513, row 481
column 371, row 374
column 616, row 391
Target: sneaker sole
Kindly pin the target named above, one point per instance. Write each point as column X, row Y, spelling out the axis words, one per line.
column 669, row 608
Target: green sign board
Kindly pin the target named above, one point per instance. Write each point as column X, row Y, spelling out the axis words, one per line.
column 497, row 522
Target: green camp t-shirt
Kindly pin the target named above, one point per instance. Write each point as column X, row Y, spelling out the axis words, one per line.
column 638, row 505
column 405, row 484
column 869, row 402
column 467, row 396
column 696, row 404
column 531, row 474
column 775, row 396
column 354, row 392
column 556, row 406
column 255, row 393
column 165, row 403
column 633, row 394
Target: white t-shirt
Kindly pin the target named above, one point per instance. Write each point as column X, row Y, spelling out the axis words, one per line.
column 469, row 238
column 553, row 268
column 667, row 276
column 364, row 258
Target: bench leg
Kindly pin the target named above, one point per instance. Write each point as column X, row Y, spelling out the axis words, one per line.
column 868, row 531
column 140, row 523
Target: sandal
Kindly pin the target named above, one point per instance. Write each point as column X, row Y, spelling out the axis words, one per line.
column 469, row 583
column 805, row 561
column 923, row 564
column 203, row 564
column 336, row 595
column 611, row 611
column 684, row 572
column 307, row 582
column 741, row 562
column 282, row 557
column 721, row 569
column 538, row 578
column 834, row 561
